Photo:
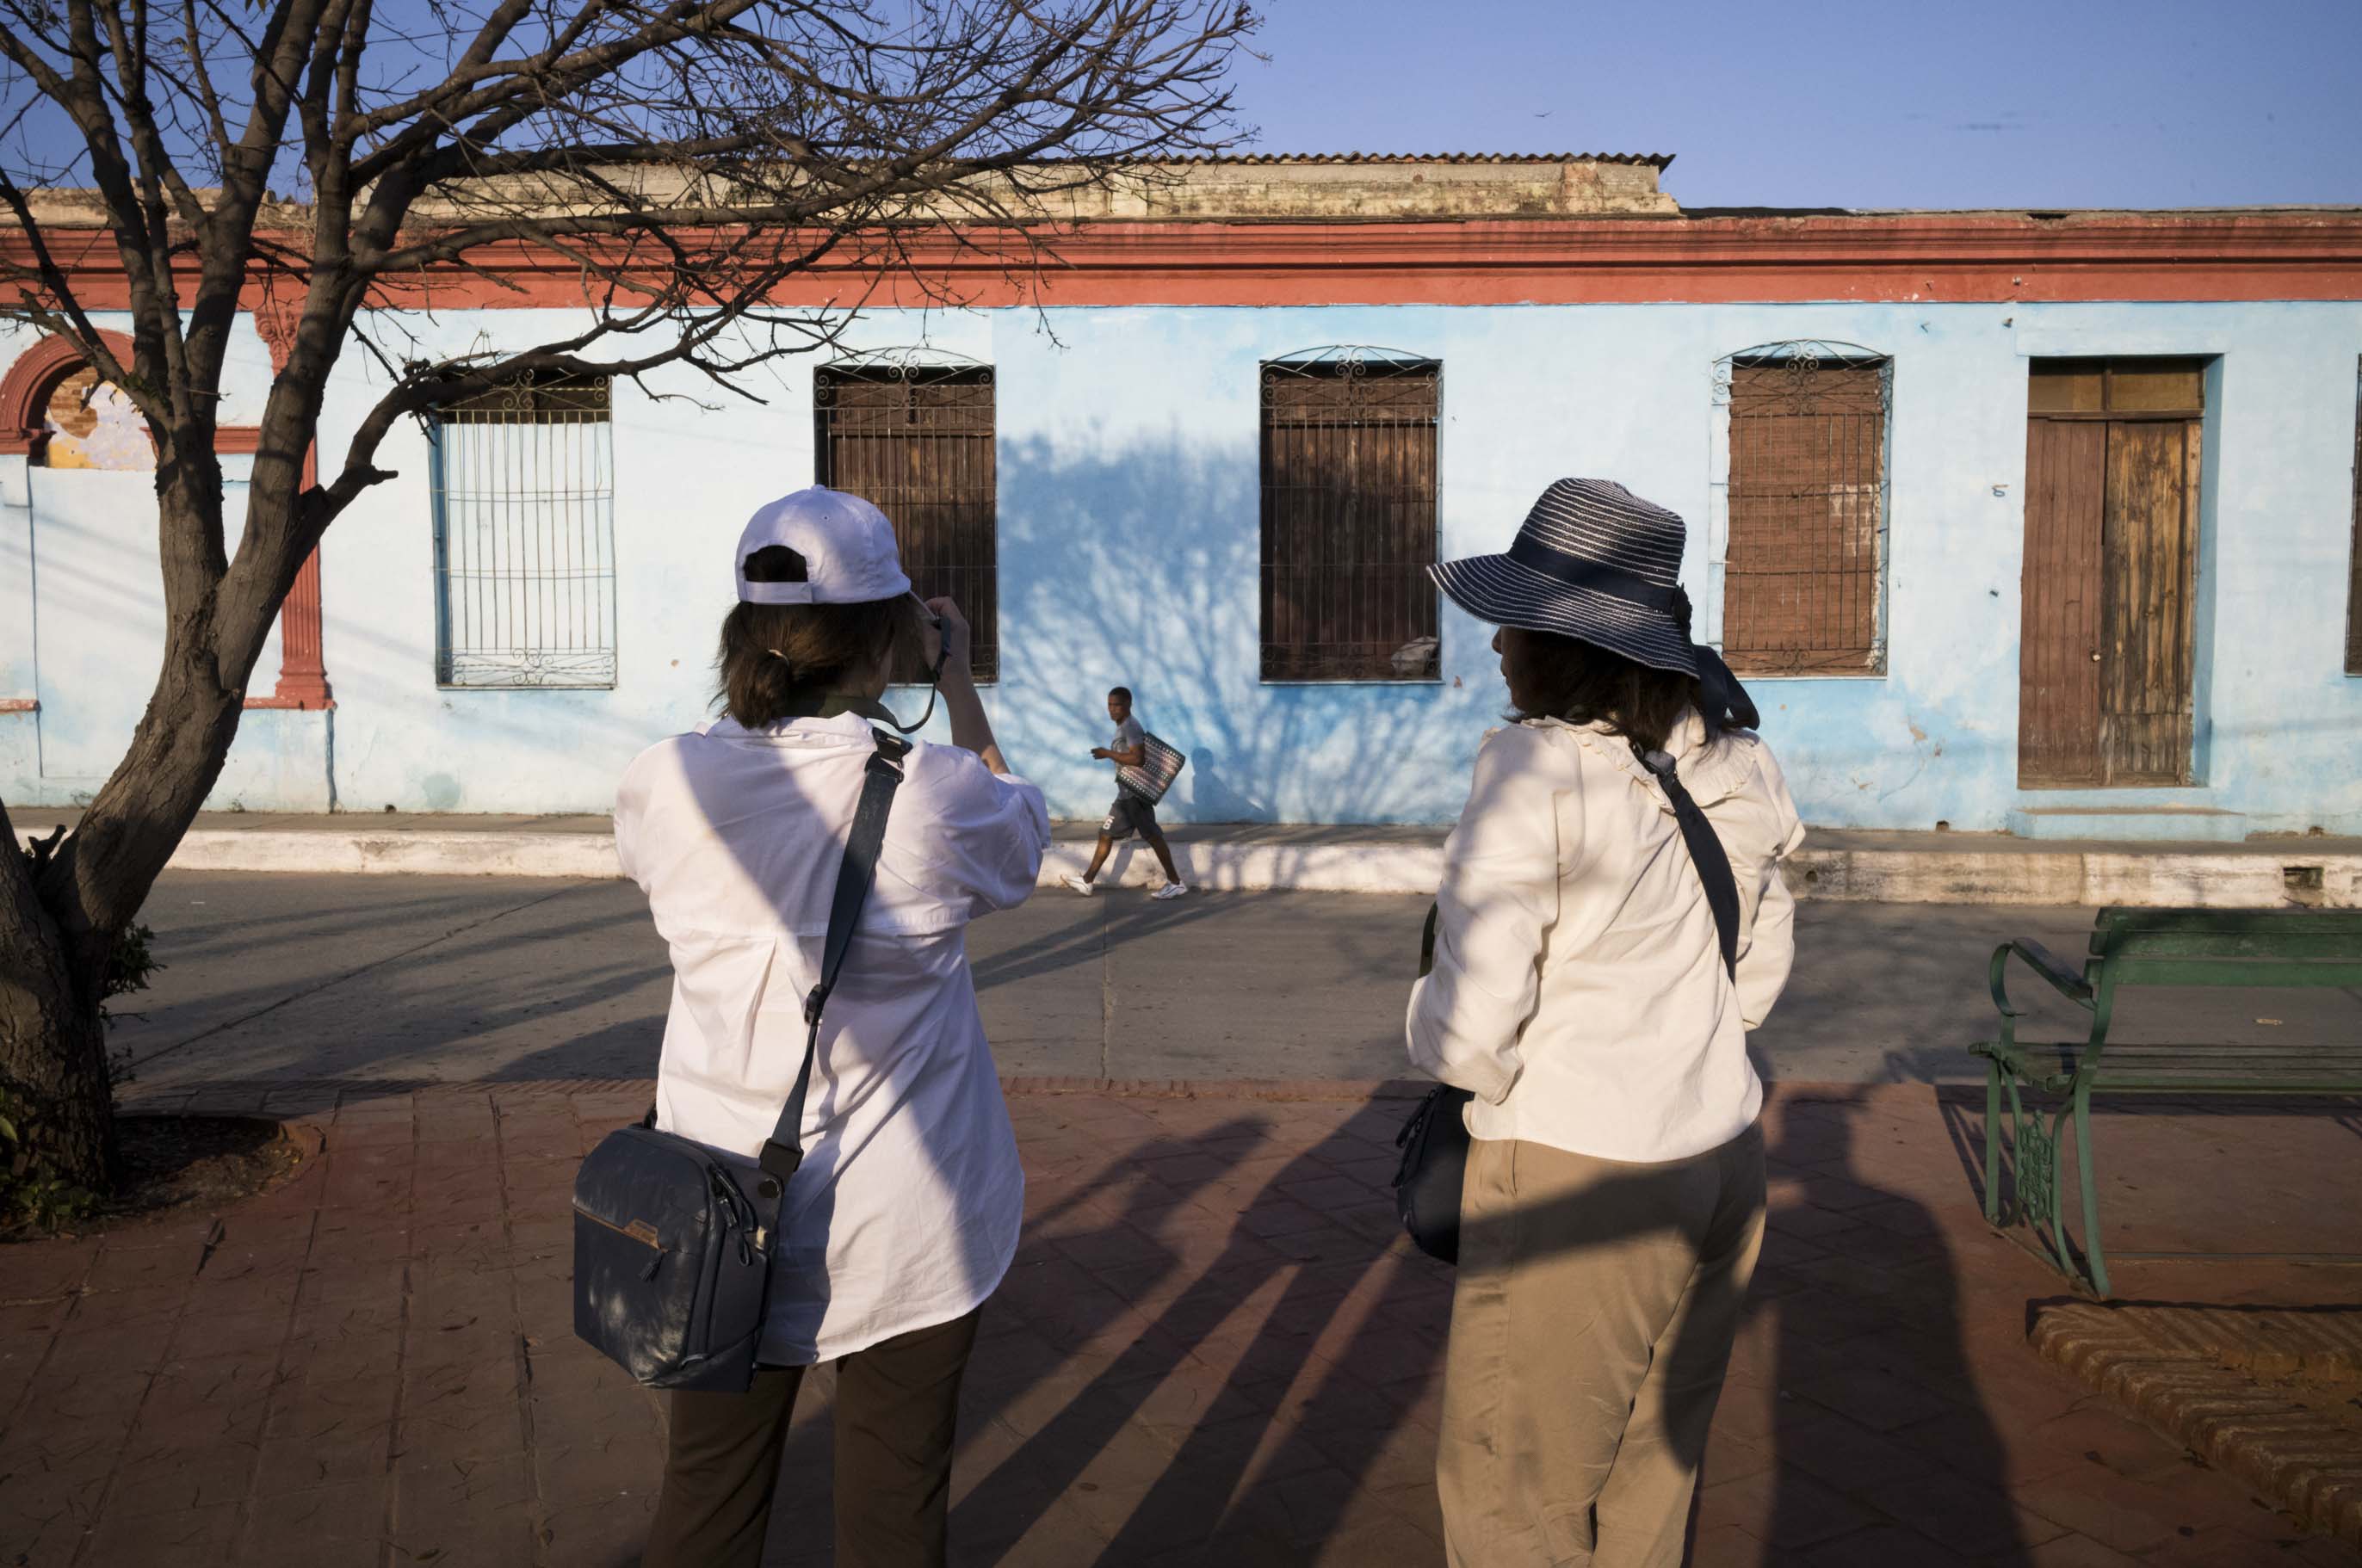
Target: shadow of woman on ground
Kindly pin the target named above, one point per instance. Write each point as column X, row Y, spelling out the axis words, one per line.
column 1850, row 1412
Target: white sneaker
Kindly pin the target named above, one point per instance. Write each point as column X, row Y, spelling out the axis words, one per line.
column 1170, row 890
column 1077, row 883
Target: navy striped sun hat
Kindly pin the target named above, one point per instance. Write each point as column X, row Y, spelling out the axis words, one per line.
column 1592, row 561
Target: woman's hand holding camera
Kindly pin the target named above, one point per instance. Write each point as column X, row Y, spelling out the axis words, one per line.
column 947, row 641
column 947, row 649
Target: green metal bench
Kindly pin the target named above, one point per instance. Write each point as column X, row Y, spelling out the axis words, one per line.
column 2152, row 947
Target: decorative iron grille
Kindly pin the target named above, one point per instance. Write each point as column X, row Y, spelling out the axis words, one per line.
column 911, row 430
column 524, row 537
column 1349, row 515
column 1802, row 504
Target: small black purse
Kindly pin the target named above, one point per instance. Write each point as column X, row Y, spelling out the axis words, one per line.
column 1434, row 1139
column 673, row 1255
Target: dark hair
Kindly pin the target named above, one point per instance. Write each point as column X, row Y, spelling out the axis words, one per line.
column 1586, row 684
column 1122, row 692
column 774, row 657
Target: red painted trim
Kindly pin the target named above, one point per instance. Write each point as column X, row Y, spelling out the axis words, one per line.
column 1898, row 257
column 237, row 440
column 302, row 662
column 302, row 666
column 20, row 704
column 25, row 390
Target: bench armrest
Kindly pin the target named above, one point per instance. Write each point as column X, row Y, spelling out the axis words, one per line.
column 2043, row 962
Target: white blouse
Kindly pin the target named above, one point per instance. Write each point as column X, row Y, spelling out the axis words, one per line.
column 1578, row 987
column 905, row 1211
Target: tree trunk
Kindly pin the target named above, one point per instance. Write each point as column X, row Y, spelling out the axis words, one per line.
column 53, row 1076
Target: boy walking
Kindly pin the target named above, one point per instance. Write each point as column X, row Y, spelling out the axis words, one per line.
column 1130, row 814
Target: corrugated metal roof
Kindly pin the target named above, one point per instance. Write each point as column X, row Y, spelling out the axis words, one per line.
column 1648, row 160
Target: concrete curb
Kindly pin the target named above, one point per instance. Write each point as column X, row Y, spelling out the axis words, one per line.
column 314, row 851
column 2165, row 877
column 2168, row 877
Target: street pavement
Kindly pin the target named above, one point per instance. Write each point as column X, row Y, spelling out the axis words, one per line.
column 463, row 979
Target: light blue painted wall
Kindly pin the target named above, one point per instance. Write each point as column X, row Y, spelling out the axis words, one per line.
column 1128, row 548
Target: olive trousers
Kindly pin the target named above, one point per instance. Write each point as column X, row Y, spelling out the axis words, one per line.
column 1592, row 1322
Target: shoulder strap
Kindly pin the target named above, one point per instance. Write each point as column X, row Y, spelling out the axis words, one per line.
column 783, row 1151
column 1705, row 852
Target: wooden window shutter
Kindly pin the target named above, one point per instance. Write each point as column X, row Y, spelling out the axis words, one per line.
column 917, row 439
column 1349, row 517
column 1807, row 502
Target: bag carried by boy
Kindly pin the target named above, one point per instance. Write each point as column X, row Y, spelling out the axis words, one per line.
column 1434, row 1138
column 1159, row 765
column 672, row 1253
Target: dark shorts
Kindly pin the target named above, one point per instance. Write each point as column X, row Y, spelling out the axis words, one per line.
column 1129, row 815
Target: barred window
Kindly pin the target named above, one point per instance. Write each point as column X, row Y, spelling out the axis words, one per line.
column 524, row 537
column 1805, row 504
column 912, row 431
column 1349, row 515
column 2354, row 558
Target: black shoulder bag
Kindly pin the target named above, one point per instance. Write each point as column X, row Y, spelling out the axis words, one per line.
column 672, row 1258
column 1434, row 1141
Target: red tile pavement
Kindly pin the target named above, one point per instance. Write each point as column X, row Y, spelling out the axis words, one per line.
column 1214, row 1347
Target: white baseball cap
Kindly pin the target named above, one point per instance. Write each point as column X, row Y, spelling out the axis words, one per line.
column 846, row 543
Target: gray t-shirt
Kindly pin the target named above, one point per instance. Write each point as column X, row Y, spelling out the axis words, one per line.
column 1127, row 735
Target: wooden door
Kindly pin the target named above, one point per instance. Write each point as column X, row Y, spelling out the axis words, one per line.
column 2106, row 661
column 2058, row 659
column 2144, row 610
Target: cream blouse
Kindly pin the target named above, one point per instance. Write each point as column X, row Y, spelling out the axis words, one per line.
column 1578, row 987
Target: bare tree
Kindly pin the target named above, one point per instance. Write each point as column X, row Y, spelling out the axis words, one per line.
column 684, row 157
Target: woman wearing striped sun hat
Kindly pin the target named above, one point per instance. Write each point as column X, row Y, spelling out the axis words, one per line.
column 1613, row 1206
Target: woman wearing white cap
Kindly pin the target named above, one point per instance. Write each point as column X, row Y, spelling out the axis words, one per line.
column 903, row 1215
column 1586, row 994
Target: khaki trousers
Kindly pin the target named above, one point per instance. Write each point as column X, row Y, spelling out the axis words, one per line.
column 1591, row 1325
column 896, row 1403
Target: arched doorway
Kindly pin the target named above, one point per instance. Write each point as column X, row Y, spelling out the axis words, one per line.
column 97, row 622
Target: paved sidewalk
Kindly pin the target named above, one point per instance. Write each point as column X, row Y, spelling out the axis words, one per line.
column 1214, row 1348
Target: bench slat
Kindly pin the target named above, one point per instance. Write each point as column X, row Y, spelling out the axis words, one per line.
column 2315, row 1081
column 2235, row 973
column 2065, row 1057
column 2285, row 947
column 2211, row 1073
column 2293, row 922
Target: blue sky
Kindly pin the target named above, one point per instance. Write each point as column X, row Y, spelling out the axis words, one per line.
column 2073, row 102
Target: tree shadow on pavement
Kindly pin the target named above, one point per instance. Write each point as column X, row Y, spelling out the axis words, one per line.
column 1084, row 941
column 1217, row 1337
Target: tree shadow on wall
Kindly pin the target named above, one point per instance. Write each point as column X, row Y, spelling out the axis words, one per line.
column 1144, row 570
